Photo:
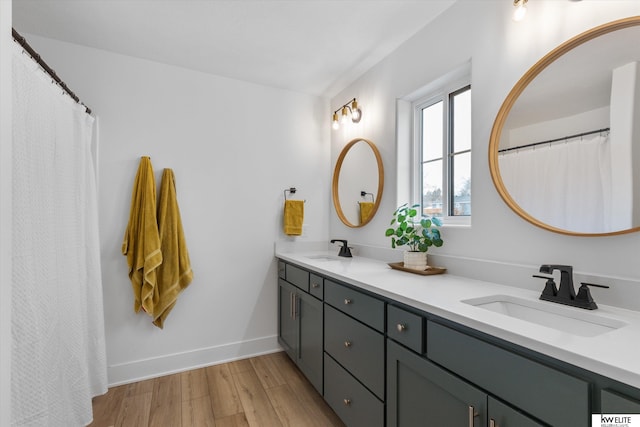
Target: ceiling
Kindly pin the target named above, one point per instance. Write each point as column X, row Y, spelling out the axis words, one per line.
column 310, row 46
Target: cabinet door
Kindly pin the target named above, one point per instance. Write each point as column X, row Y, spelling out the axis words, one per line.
column 501, row 415
column 287, row 324
column 420, row 393
column 309, row 315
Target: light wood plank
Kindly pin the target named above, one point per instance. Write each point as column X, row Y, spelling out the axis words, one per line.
column 222, row 391
column 238, row 366
column 270, row 376
column 321, row 414
column 288, row 407
column 236, row 420
column 197, row 412
column 107, row 406
column 194, row 384
column 140, row 387
column 134, row 411
column 166, row 406
column 256, row 404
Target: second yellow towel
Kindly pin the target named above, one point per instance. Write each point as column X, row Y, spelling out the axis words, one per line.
column 175, row 273
column 293, row 217
column 365, row 211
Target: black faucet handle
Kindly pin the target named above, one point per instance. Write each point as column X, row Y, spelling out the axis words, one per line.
column 584, row 297
column 550, row 288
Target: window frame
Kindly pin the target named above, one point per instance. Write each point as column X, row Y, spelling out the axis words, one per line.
column 443, row 92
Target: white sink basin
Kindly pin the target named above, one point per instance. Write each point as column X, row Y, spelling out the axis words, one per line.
column 573, row 320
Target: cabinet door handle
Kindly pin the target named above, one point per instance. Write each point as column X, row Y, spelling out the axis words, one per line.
column 347, row 301
column 492, row 423
column 347, row 344
column 401, row 327
column 295, row 306
column 291, row 305
column 472, row 415
column 315, row 285
column 347, row 402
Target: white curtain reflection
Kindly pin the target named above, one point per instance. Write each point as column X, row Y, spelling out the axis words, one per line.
column 566, row 185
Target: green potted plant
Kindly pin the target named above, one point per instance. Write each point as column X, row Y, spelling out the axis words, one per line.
column 416, row 231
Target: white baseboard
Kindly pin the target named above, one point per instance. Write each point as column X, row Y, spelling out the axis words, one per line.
column 143, row 369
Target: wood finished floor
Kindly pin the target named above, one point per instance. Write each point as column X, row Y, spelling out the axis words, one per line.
column 262, row 391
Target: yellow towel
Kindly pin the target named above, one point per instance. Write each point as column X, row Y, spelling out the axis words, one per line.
column 365, row 211
column 175, row 274
column 141, row 242
column 293, row 217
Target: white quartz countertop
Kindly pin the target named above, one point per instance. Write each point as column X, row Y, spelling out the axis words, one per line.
column 614, row 354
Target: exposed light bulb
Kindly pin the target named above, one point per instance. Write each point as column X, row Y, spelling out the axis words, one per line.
column 345, row 114
column 521, row 10
column 335, row 122
column 356, row 113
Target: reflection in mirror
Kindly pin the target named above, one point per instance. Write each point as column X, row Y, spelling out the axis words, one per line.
column 358, row 181
column 565, row 147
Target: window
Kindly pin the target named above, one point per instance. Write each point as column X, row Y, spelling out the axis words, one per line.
column 442, row 153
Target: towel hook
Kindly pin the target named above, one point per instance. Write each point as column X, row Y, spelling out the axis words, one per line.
column 290, row 190
column 364, row 193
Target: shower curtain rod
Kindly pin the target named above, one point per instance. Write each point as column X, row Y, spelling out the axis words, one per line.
column 533, row 144
column 36, row 57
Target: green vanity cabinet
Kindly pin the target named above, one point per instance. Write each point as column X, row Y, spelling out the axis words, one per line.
column 612, row 402
column 378, row 362
column 419, row 393
column 554, row 397
column 300, row 327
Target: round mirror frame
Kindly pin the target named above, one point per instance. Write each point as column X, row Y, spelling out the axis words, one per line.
column 336, row 178
column 517, row 90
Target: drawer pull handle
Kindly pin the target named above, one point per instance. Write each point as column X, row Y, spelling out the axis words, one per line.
column 492, row 423
column 347, row 301
column 401, row 327
column 315, row 285
column 347, row 402
column 472, row 415
column 347, row 344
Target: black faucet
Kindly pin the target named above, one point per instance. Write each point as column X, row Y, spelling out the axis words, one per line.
column 566, row 294
column 345, row 250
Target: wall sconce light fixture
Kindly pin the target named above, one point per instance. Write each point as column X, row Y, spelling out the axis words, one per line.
column 521, row 10
column 350, row 108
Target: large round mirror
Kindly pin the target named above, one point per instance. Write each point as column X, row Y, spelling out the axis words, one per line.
column 358, row 180
column 565, row 147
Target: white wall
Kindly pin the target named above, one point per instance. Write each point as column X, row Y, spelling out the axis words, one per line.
column 5, row 211
column 234, row 147
column 501, row 51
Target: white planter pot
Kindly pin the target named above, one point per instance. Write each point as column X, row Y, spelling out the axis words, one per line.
column 415, row 260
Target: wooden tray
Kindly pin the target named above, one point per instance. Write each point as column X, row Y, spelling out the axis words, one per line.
column 428, row 272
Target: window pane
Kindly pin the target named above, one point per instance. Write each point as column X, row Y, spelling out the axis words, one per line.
column 461, row 105
column 432, row 132
column 461, row 164
column 432, row 188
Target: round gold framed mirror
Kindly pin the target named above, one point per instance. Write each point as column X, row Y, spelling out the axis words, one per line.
column 564, row 152
column 358, row 181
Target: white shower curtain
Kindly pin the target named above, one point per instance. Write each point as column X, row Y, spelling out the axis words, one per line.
column 566, row 184
column 58, row 346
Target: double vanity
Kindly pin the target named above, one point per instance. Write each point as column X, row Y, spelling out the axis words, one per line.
column 386, row 347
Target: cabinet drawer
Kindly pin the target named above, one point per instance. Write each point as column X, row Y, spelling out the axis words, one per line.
column 316, row 286
column 556, row 398
column 614, row 403
column 297, row 276
column 406, row 328
column 281, row 270
column 357, row 347
column 353, row 403
column 356, row 304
